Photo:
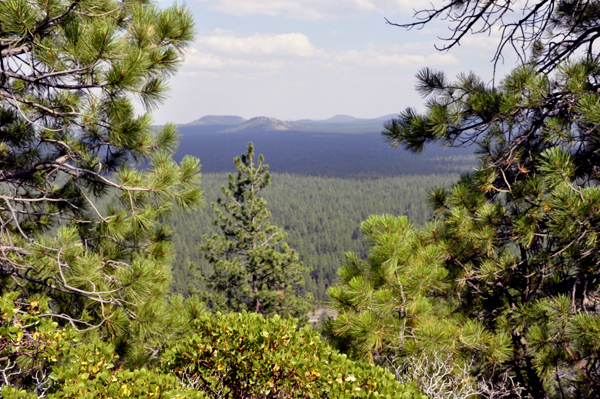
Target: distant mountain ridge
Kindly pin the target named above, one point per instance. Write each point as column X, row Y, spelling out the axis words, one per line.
column 335, row 124
column 218, row 120
column 265, row 124
column 347, row 119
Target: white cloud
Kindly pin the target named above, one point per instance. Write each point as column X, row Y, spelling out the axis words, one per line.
column 374, row 58
column 268, row 53
column 312, row 9
column 198, row 61
column 259, row 44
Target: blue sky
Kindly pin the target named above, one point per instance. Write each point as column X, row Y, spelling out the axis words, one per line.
column 295, row 59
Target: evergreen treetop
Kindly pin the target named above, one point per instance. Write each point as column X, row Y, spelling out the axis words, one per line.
column 254, row 269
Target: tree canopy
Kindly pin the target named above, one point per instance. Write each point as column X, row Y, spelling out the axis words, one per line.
column 512, row 254
column 70, row 74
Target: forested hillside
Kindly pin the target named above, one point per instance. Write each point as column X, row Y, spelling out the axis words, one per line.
column 321, row 215
column 328, row 186
column 324, row 185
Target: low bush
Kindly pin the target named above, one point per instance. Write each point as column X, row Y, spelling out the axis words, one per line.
column 244, row 355
column 237, row 356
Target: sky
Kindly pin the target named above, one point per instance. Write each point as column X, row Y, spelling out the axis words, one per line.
column 312, row 59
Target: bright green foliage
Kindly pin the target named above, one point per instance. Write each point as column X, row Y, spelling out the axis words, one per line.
column 244, row 355
column 254, row 269
column 30, row 342
column 91, row 373
column 393, row 303
column 40, row 359
column 79, row 224
column 394, row 307
column 219, row 356
column 514, row 252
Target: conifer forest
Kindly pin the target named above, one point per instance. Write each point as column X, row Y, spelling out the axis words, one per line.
column 454, row 253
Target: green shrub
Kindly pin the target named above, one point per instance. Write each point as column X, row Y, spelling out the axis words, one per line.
column 226, row 356
column 91, row 374
column 40, row 359
column 30, row 343
column 244, row 355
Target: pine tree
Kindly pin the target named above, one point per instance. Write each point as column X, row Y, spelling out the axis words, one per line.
column 79, row 224
column 507, row 274
column 254, row 270
column 513, row 250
